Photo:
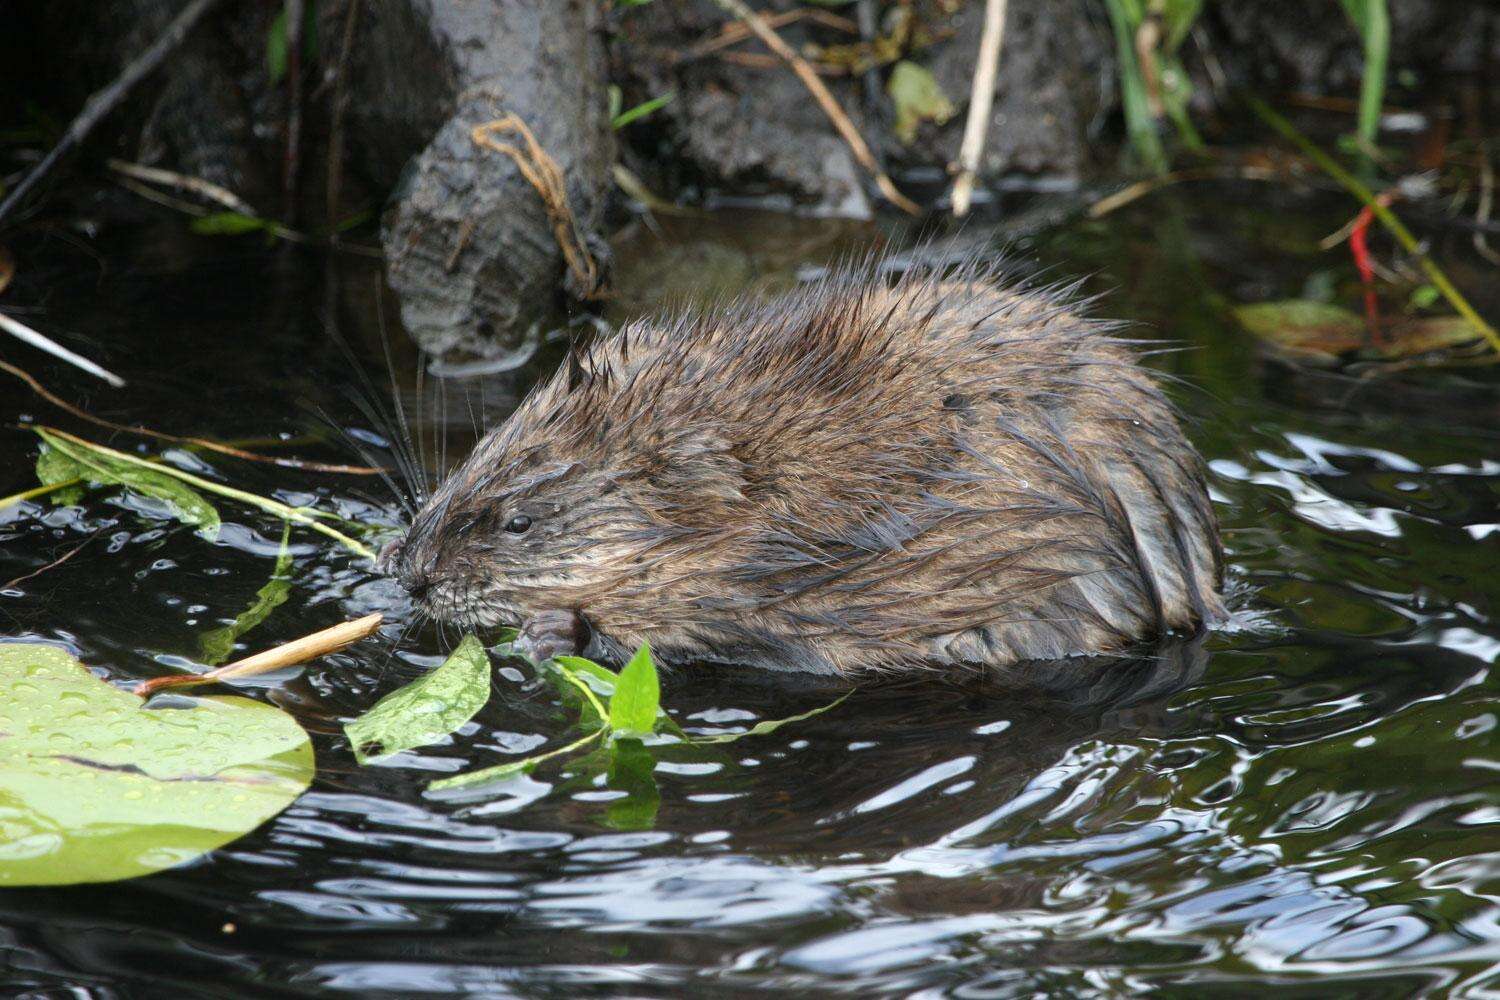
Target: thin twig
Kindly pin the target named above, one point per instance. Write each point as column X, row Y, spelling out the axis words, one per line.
column 1134, row 192
column 1387, row 218
column 309, row 647
column 819, row 91
column 292, row 163
column 21, row 331
column 981, row 98
column 53, row 564
column 182, row 182
column 98, row 106
column 736, row 32
column 221, row 448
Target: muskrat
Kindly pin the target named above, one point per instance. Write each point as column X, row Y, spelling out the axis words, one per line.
column 951, row 469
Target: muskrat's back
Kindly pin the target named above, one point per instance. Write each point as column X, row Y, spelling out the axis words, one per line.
column 853, row 477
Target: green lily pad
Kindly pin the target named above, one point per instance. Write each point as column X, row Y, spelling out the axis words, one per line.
column 427, row 709
column 94, row 787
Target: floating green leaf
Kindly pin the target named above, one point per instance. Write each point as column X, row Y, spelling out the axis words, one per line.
column 218, row 644
column 101, row 468
column 94, row 787
column 637, row 698
column 1319, row 333
column 426, row 709
column 918, row 97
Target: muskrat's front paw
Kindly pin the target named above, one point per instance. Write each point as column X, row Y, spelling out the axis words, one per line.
column 549, row 634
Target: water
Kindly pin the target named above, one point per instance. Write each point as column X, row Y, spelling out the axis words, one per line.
column 1306, row 801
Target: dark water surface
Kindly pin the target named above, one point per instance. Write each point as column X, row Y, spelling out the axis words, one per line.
column 1310, row 800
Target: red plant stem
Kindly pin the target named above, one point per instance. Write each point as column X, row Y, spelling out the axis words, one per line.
column 1360, row 249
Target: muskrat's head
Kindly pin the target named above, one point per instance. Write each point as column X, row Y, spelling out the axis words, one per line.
column 579, row 499
column 516, row 529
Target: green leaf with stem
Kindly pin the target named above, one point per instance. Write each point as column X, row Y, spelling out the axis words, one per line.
column 619, row 119
column 513, row 767
column 301, row 515
column 770, row 725
column 72, row 459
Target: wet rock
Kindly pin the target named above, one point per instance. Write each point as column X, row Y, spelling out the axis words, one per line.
column 469, row 243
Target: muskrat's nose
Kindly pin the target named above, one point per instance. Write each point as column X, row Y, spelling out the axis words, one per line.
column 385, row 560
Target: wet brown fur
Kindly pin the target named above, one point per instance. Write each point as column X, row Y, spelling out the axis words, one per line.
column 855, row 477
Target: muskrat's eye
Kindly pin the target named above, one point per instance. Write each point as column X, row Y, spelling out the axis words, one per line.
column 518, row 525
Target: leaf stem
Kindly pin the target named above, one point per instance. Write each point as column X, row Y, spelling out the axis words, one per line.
column 37, row 491
column 500, row 770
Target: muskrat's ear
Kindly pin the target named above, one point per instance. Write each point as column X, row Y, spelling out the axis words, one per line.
column 697, row 462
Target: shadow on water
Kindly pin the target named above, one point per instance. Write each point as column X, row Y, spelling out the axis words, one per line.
column 1303, row 800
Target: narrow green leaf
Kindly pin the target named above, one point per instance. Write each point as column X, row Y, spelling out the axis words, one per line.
column 602, row 679
column 770, row 725
column 637, row 698
column 510, row 768
column 99, row 467
column 427, row 709
column 620, row 119
column 218, row 644
column 276, row 48
column 228, row 224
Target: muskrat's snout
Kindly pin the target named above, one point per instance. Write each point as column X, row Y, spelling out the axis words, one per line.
column 393, row 561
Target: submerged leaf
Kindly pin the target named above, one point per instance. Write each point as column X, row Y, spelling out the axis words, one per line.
column 219, row 643
column 918, row 98
column 1308, row 331
column 94, row 787
column 637, row 697
column 97, row 467
column 631, row 768
column 427, row 709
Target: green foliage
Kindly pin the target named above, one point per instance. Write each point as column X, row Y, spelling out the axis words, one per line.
column 617, row 711
column 918, row 98
column 427, row 709
column 63, row 459
column 181, row 490
column 229, row 224
column 98, row 788
column 637, row 698
column 619, row 119
column 276, row 41
column 217, row 645
column 1372, row 21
